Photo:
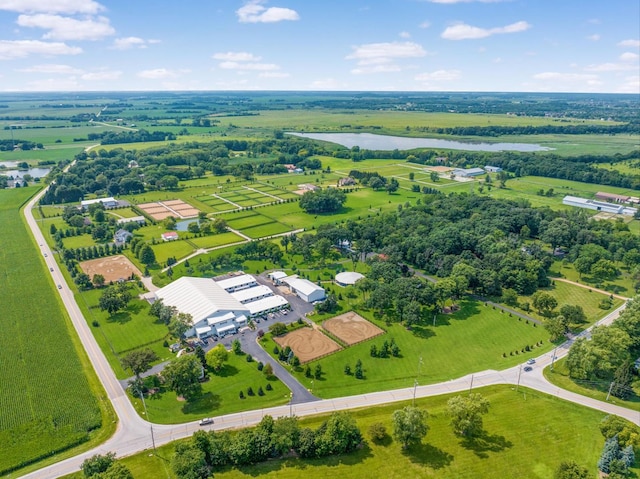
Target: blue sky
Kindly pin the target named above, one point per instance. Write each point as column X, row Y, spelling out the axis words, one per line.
column 403, row 45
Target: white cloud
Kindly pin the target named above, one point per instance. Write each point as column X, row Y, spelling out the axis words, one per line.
column 380, row 68
column 629, row 57
column 236, row 57
column 102, row 75
column 569, row 78
column 51, row 6
column 51, row 68
column 325, row 84
column 161, row 73
column 65, row 28
column 10, row 49
column 274, row 75
column 439, row 75
column 405, row 35
column 425, row 24
column 254, row 12
column 248, row 66
column 54, row 84
column 594, row 38
column 631, row 85
column 629, row 43
column 127, row 43
column 462, row 31
column 383, row 52
column 610, row 67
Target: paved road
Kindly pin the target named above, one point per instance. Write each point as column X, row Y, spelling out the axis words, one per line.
column 133, row 434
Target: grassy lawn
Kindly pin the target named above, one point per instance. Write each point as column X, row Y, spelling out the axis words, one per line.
column 566, row 293
column 216, row 240
column 559, row 376
column 220, row 395
column 177, row 249
column 80, row 241
column 621, row 285
column 36, row 420
column 554, row 431
column 131, row 329
column 472, row 339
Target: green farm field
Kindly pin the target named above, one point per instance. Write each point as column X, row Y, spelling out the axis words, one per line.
column 476, row 336
column 554, row 431
column 36, row 420
column 220, row 395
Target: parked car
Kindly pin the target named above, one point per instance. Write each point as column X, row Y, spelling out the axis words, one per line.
column 205, row 421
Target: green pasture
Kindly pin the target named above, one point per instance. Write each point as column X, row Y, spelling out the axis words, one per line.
column 36, row 420
column 268, row 229
column 527, row 435
column 67, row 152
column 118, row 334
column 629, row 167
column 120, row 213
column 566, row 293
column 80, row 241
column 622, row 285
column 470, row 340
column 599, row 390
column 213, row 241
column 220, row 395
column 177, row 249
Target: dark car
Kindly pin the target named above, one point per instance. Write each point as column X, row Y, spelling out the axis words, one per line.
column 528, row 368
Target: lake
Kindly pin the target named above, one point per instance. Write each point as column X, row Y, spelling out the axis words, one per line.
column 370, row 141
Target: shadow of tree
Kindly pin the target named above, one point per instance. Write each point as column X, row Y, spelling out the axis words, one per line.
column 202, row 405
column 485, row 443
column 226, row 371
column 385, row 441
column 428, row 455
column 120, row 318
column 422, row 332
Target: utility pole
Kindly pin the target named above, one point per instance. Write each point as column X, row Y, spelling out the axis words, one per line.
column 415, row 386
column 291, row 404
column 471, row 386
column 153, row 441
column 553, row 358
column 519, row 373
column 610, row 388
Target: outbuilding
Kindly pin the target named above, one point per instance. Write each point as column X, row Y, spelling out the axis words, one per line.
column 348, row 278
column 237, row 283
column 106, row 202
column 277, row 276
column 305, row 289
column 468, row 172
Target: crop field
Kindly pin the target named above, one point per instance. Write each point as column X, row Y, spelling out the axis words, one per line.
column 35, row 418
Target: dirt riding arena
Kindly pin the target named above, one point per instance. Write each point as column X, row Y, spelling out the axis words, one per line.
column 160, row 210
column 113, row 268
column 351, row 328
column 308, row 344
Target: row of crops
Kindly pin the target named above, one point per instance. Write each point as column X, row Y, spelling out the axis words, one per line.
column 46, row 404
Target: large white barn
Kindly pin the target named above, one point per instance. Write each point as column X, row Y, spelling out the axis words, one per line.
column 304, row 289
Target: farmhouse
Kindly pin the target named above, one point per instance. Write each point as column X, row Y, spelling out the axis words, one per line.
column 121, row 237
column 348, row 278
column 468, row 172
column 304, row 289
column 492, row 169
column 214, row 311
column 106, row 202
column 347, row 181
column 169, row 236
column 598, row 205
column 237, row 283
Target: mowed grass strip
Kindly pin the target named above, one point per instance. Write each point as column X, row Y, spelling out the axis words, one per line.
column 46, row 403
column 212, row 241
column 220, row 394
column 472, row 339
column 528, row 434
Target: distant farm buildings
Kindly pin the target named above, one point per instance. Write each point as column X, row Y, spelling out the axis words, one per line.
column 106, row 202
column 598, row 205
column 169, row 236
column 492, row 169
column 347, row 181
column 468, row 172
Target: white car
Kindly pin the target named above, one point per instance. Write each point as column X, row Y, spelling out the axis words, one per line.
column 531, row 361
column 205, row 421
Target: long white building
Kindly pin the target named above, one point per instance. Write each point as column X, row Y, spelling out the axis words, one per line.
column 598, row 205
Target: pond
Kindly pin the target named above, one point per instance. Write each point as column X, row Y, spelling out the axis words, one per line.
column 34, row 172
column 370, row 141
column 184, row 224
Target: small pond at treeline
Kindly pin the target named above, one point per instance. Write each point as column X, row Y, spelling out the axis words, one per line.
column 13, row 171
column 370, row 141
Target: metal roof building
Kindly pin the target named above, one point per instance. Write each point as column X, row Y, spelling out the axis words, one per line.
column 266, row 305
column 304, row 288
column 236, row 283
column 248, row 295
column 347, row 278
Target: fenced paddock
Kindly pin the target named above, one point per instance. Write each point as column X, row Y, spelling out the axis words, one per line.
column 308, row 344
column 352, row 328
column 160, row 210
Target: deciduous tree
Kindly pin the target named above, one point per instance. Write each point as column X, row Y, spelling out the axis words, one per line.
column 409, row 425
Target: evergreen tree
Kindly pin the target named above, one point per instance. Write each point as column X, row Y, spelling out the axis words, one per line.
column 610, row 453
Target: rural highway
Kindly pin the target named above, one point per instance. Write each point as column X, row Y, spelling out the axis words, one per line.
column 133, row 434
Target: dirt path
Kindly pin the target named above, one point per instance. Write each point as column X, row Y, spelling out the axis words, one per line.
column 585, row 286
